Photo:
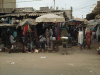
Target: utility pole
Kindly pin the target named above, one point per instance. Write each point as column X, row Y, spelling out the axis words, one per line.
column 82, row 16
column 71, row 11
column 54, row 4
column 65, row 6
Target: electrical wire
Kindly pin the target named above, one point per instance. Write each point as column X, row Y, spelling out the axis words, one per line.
column 52, row 4
column 82, row 7
column 83, row 3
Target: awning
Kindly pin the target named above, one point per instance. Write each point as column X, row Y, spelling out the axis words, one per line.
column 50, row 18
column 75, row 20
column 31, row 14
column 3, row 25
column 27, row 21
column 93, row 23
column 41, row 14
column 21, row 14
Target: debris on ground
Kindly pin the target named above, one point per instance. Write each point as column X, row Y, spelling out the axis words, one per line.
column 10, row 62
column 42, row 57
column 71, row 64
column 90, row 71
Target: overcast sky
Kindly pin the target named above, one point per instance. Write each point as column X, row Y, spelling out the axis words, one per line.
column 80, row 7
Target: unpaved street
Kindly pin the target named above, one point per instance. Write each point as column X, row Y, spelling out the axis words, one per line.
column 77, row 62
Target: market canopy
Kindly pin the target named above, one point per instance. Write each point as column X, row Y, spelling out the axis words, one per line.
column 50, row 18
column 75, row 20
column 93, row 23
column 27, row 21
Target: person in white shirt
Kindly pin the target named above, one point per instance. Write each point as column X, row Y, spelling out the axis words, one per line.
column 42, row 42
column 80, row 39
column 12, row 39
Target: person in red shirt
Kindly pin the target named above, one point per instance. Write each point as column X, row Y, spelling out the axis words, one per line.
column 88, row 38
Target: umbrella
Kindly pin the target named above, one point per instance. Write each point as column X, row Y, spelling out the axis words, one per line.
column 50, row 18
column 27, row 21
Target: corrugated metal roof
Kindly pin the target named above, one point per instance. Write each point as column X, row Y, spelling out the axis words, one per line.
column 27, row 21
column 6, row 25
column 39, row 14
column 30, row 14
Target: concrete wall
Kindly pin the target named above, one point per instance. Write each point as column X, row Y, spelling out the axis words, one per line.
column 26, row 9
column 8, row 3
column 44, row 8
column 8, row 6
column 68, row 13
column 0, row 3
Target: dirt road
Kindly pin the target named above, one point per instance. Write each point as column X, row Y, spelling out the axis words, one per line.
column 77, row 62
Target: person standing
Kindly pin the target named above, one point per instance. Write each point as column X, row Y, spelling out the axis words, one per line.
column 12, row 39
column 80, row 39
column 88, row 39
column 42, row 42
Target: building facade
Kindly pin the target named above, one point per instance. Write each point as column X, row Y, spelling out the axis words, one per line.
column 7, row 6
column 94, row 12
column 44, row 8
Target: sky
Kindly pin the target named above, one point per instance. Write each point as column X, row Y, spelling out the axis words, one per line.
column 80, row 7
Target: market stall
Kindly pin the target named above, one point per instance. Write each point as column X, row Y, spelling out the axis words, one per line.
column 29, row 34
column 4, row 32
column 53, row 33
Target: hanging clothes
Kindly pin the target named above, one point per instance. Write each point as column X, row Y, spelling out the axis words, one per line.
column 47, row 37
column 29, row 29
column 51, row 34
column 35, row 36
column 15, row 33
column 25, row 29
column 58, row 32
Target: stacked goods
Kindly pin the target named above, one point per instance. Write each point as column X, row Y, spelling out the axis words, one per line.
column 17, row 47
column 64, row 39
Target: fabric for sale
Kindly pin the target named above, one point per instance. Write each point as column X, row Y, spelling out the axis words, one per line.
column 15, row 33
column 48, row 37
column 58, row 37
column 55, row 30
column 58, row 30
column 26, row 28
